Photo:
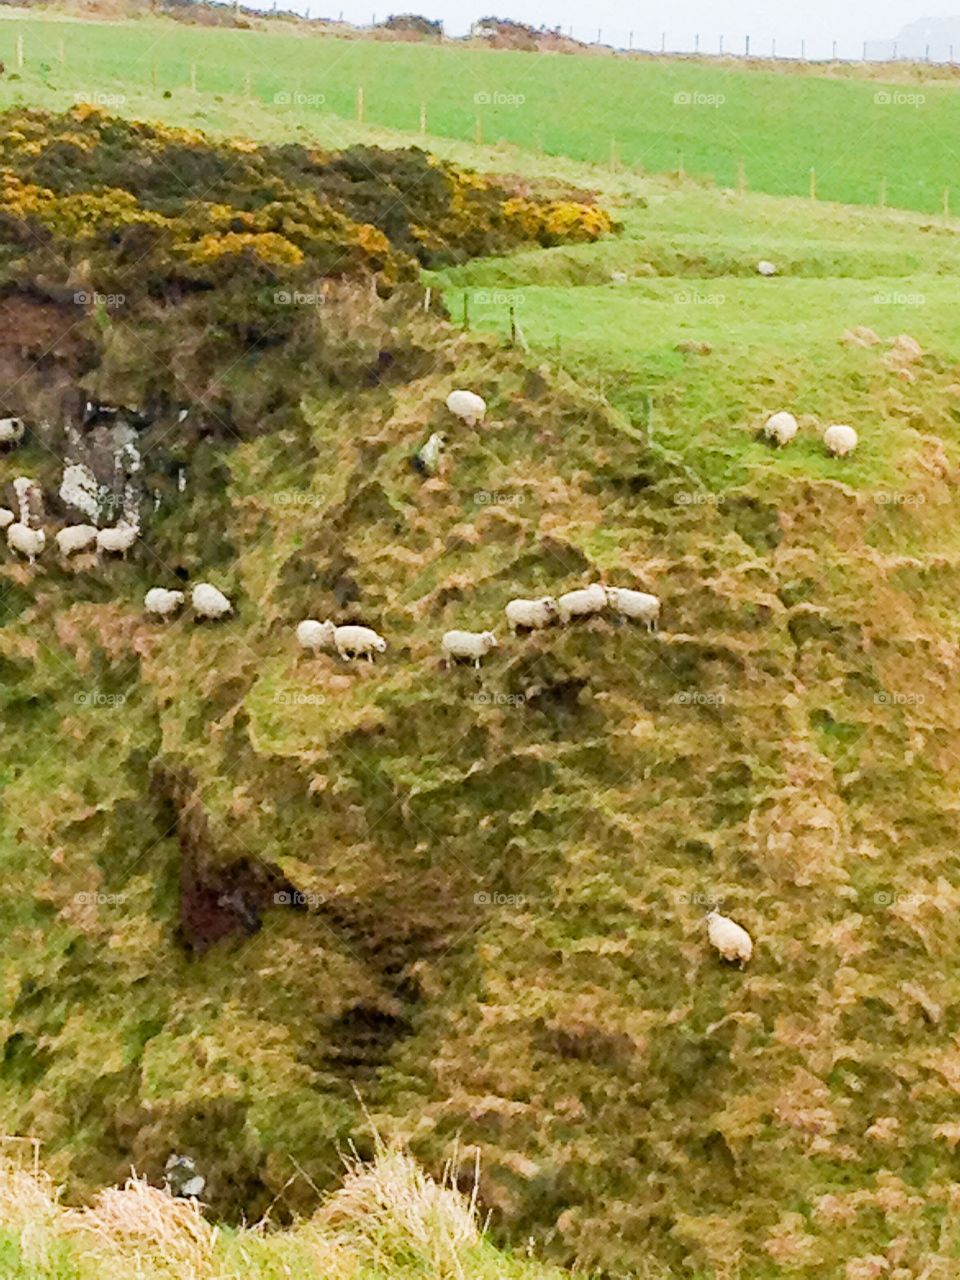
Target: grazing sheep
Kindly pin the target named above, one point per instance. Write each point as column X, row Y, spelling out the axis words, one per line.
column 531, row 614
column 76, row 537
column 635, row 604
column 780, row 428
column 118, row 539
column 6, row 517
column 11, row 431
column 29, row 499
column 619, row 277
column 840, row 440
column 315, row 635
column 765, row 268
column 467, row 646
column 584, row 603
column 468, row 406
column 427, row 458
column 352, row 642
column 730, row 939
column 161, row 602
column 26, row 541
column 208, row 602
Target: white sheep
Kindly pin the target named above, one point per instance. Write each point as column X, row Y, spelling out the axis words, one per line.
column 468, row 406
column 76, row 537
column 765, row 268
column 26, row 541
column 208, row 602
column 29, row 499
column 840, row 440
column 730, row 939
column 780, row 428
column 163, row 603
column 427, row 458
column 118, row 539
column 531, row 614
column 11, row 430
column 352, row 642
column 315, row 635
column 639, row 605
column 467, row 646
column 6, row 517
column 584, row 603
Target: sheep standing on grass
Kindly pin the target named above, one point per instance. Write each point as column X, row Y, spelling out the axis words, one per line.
column 467, row 646
column 427, row 458
column 208, row 602
column 730, row 939
column 531, row 614
column 585, row 603
column 162, row 603
column 119, row 539
column 638, row 605
column 314, row 636
column 26, row 541
column 840, row 440
column 11, row 431
column 467, row 406
column 355, row 642
column 6, row 517
column 75, row 538
column 780, row 428
column 765, row 268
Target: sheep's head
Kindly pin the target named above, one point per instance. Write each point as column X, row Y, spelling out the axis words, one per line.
column 380, row 644
column 489, row 639
column 612, row 594
column 550, row 606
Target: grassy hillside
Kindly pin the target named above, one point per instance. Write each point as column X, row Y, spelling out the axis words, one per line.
column 653, row 111
column 242, row 885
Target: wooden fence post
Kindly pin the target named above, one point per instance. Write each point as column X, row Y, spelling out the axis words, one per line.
column 19, row 51
column 359, row 104
column 423, row 117
column 946, row 202
column 193, row 76
column 813, row 183
column 741, row 177
column 883, row 193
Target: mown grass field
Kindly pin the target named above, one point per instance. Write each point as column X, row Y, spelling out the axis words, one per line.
column 779, row 125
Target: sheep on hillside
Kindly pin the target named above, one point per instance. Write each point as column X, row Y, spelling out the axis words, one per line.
column 209, row 602
column 353, row 642
column 11, row 431
column 765, row 268
column 26, row 541
column 6, row 517
column 840, row 440
column 118, row 539
column 314, row 636
column 75, row 538
column 584, row 603
column 467, row 646
column 427, row 458
column 163, row 603
column 730, row 939
column 468, row 406
column 780, row 428
column 531, row 614
column 639, row 605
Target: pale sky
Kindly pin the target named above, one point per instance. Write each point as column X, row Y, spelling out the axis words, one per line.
column 819, row 22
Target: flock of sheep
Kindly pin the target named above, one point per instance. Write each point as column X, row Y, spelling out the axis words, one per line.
column 838, row 440
column 354, row 641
